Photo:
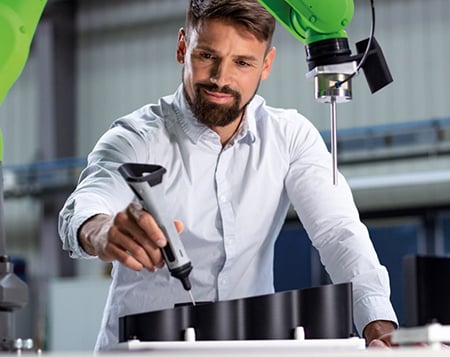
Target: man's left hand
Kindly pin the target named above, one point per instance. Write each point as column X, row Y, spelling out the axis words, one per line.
column 378, row 333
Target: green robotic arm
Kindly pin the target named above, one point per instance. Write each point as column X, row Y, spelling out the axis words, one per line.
column 312, row 20
column 18, row 22
column 320, row 26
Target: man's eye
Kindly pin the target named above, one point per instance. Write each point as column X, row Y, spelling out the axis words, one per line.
column 243, row 63
column 206, row 55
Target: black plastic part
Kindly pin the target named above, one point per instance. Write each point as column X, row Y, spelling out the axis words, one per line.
column 324, row 312
column 375, row 66
column 217, row 321
column 168, row 253
column 326, row 52
column 164, row 325
column 152, row 174
column 182, row 273
column 426, row 290
column 271, row 317
column 327, row 312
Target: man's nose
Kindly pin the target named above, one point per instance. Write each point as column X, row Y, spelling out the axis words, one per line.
column 221, row 74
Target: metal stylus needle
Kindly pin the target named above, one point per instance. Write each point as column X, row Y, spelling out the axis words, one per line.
column 192, row 297
column 334, row 139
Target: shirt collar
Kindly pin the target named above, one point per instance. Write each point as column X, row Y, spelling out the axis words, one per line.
column 195, row 130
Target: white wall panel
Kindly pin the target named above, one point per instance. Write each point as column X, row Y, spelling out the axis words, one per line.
column 126, row 63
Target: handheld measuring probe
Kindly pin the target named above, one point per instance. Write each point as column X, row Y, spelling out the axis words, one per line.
column 145, row 182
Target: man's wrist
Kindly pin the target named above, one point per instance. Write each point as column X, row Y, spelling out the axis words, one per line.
column 89, row 231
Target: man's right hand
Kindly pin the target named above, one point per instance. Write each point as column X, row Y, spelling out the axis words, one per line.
column 132, row 237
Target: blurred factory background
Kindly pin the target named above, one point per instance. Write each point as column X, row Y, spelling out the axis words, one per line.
column 95, row 60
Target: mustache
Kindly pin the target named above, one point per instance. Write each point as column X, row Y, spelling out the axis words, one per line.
column 215, row 88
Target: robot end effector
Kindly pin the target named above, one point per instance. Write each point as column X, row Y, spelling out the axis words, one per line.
column 320, row 26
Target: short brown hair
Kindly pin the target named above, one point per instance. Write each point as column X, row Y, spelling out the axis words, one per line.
column 248, row 13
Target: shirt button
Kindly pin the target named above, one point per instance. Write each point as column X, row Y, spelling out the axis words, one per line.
column 223, row 199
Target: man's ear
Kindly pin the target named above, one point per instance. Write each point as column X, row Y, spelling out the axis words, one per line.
column 268, row 61
column 181, row 46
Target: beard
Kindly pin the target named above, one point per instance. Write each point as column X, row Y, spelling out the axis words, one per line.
column 213, row 114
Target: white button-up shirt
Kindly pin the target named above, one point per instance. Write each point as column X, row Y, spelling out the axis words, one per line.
column 233, row 201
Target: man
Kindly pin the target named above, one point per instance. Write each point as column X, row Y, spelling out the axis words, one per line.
column 234, row 166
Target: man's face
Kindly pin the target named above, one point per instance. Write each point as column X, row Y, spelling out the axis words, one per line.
column 223, row 65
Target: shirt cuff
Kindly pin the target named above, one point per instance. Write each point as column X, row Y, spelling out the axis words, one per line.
column 370, row 309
